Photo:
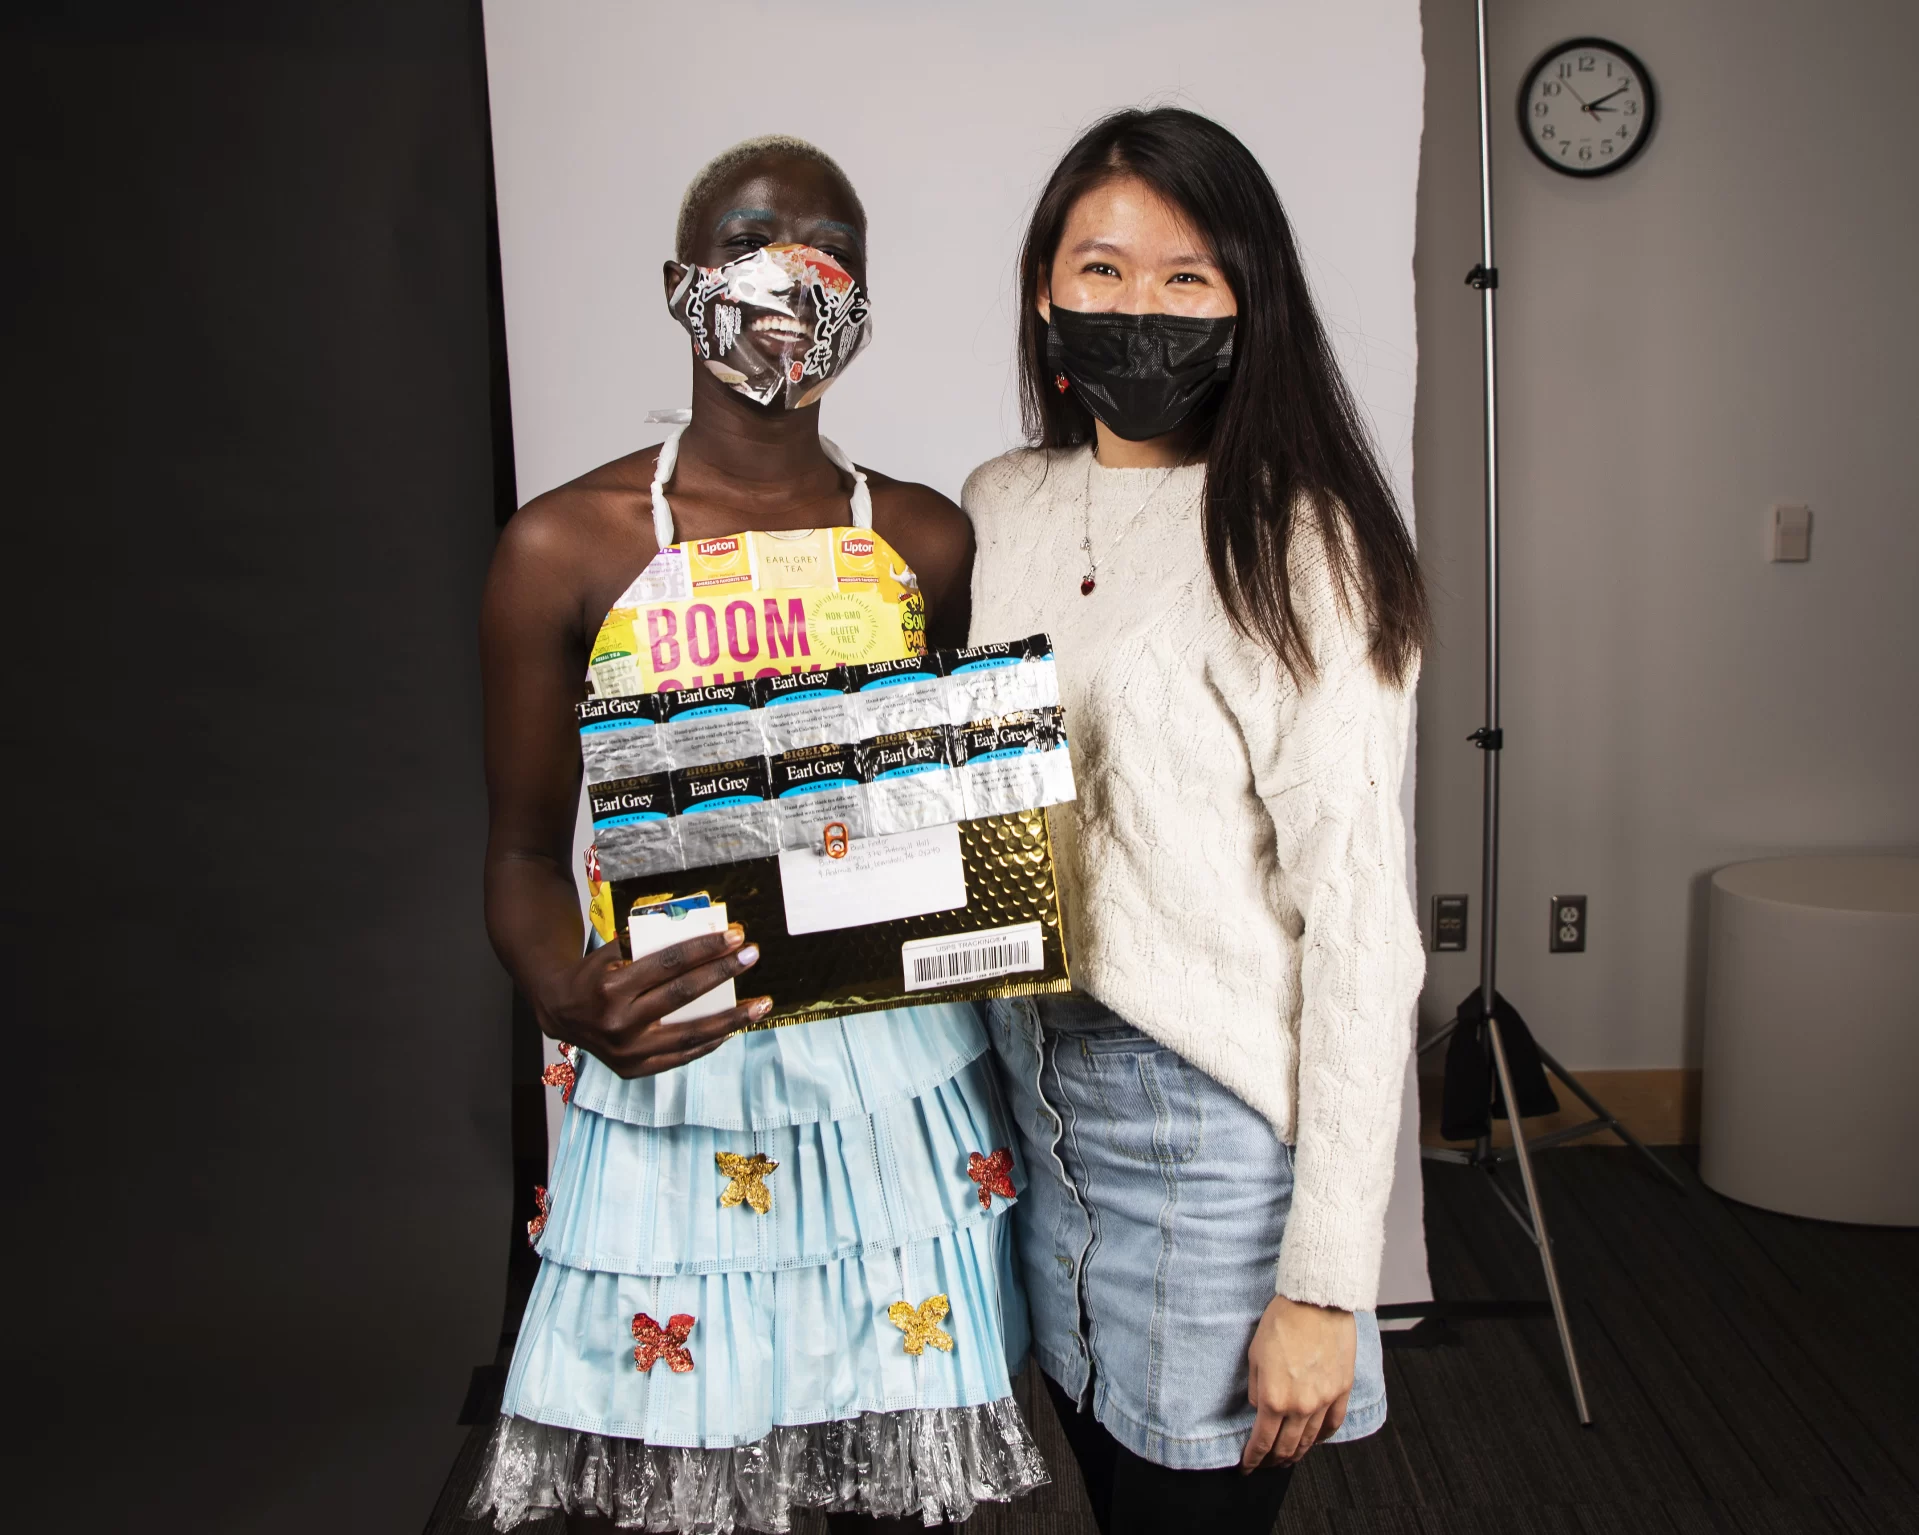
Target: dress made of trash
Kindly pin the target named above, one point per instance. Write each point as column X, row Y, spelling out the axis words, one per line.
column 779, row 1277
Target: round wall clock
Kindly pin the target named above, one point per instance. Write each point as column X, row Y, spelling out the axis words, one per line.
column 1586, row 107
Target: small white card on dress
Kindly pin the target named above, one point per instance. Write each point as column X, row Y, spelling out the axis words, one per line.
column 881, row 879
column 649, row 932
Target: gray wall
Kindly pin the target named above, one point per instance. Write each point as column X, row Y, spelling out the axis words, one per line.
column 1729, row 322
column 257, row 1046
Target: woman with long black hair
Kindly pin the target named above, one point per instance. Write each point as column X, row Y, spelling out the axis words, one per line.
column 1209, row 1122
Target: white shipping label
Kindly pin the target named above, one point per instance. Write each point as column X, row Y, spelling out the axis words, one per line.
column 931, row 962
column 880, row 879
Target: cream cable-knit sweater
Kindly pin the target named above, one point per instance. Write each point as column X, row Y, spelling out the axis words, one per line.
column 1233, row 874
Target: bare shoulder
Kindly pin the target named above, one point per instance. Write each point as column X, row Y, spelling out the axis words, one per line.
column 926, row 527
column 934, row 537
column 582, row 543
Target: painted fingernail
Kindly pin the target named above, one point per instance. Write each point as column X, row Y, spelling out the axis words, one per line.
column 735, row 935
column 759, row 1007
column 750, row 955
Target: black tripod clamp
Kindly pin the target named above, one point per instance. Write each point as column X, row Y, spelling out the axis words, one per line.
column 1488, row 738
column 1482, row 277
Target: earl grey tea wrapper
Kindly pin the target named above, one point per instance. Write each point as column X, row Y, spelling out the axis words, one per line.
column 805, row 709
column 814, row 787
column 716, row 723
column 1003, row 939
column 891, row 696
column 621, row 737
column 1012, row 761
column 634, row 829
column 909, row 780
column 723, row 813
column 986, row 681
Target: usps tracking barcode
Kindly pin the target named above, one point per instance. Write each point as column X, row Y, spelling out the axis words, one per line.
column 933, row 962
column 964, row 964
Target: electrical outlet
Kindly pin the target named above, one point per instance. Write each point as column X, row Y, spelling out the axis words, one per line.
column 1568, row 925
column 1449, row 923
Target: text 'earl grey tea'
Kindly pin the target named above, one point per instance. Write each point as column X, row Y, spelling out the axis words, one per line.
column 634, row 829
column 723, row 813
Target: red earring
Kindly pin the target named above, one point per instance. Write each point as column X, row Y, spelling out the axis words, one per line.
column 1059, row 382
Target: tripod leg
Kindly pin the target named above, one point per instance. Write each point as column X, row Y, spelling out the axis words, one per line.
column 1578, row 1090
column 1440, row 1036
column 1539, row 1223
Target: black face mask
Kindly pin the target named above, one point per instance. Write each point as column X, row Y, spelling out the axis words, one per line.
column 1142, row 374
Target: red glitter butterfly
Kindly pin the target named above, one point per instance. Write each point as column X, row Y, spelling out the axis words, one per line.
column 993, row 1174
column 538, row 1224
column 561, row 1075
column 657, row 1342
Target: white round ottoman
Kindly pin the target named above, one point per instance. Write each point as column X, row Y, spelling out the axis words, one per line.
column 1811, row 1092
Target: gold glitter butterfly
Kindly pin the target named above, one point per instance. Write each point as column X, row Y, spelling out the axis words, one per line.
column 922, row 1326
column 748, row 1177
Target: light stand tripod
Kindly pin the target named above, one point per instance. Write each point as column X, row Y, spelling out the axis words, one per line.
column 1490, row 740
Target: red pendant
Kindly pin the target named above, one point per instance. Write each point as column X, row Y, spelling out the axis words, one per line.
column 1086, row 587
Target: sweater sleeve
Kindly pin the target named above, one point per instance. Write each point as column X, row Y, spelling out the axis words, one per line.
column 1327, row 760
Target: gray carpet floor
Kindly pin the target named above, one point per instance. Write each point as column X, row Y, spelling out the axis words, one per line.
column 1749, row 1374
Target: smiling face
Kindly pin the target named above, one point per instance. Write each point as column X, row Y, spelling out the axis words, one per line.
column 773, row 292
column 1125, row 249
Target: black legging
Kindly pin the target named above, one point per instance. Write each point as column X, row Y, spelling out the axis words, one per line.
column 1132, row 1496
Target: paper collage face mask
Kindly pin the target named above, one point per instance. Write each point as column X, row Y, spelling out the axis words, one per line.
column 778, row 325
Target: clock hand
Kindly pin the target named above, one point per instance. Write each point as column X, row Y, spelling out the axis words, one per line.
column 1578, row 98
column 1593, row 106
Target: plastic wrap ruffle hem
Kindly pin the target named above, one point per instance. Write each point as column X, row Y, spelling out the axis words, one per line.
column 934, row 1463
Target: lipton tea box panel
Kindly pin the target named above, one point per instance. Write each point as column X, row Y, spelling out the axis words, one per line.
column 755, row 604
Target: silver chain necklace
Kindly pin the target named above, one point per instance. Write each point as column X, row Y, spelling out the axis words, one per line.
column 1087, row 582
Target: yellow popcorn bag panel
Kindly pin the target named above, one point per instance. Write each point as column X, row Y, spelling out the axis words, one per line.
column 794, row 561
column 719, row 565
column 614, row 664
column 756, row 604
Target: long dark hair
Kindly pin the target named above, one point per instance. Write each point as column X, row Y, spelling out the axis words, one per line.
column 1284, row 433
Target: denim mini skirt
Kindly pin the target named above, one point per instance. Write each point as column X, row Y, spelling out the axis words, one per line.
column 1149, row 1232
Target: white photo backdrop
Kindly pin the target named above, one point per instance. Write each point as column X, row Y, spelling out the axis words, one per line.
column 948, row 119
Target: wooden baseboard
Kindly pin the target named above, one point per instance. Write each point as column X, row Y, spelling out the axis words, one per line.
column 1661, row 1107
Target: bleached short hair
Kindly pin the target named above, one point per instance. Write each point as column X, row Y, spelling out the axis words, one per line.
column 729, row 160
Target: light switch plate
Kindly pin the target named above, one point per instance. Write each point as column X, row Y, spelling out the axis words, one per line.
column 1791, row 534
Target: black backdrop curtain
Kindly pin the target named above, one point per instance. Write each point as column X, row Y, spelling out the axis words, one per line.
column 258, row 1161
